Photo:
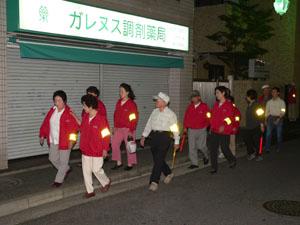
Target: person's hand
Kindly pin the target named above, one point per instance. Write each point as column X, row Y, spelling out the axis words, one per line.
column 221, row 129
column 262, row 128
column 176, row 147
column 42, row 141
column 105, row 154
column 142, row 142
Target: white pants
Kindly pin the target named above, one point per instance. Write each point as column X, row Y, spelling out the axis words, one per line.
column 90, row 166
column 60, row 160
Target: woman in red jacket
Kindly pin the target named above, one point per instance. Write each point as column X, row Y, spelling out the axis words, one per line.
column 59, row 128
column 94, row 144
column 222, row 118
column 125, row 123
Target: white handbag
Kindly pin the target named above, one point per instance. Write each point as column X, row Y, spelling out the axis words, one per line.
column 131, row 146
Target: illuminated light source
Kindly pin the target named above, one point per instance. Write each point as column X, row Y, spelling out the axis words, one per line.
column 237, row 118
column 72, row 137
column 105, row 132
column 283, row 110
column 234, row 105
column 174, row 128
column 228, row 120
column 294, row 96
column 281, row 6
column 132, row 116
column 260, row 112
column 208, row 115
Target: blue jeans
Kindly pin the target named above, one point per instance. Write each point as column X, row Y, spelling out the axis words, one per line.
column 271, row 125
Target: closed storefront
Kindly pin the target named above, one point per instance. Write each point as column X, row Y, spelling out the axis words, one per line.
column 62, row 45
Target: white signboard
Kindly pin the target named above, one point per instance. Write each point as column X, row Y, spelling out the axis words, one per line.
column 72, row 19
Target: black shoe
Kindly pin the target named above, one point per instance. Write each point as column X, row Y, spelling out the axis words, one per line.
column 232, row 165
column 116, row 167
column 205, row 161
column 213, row 171
column 193, row 167
column 127, row 168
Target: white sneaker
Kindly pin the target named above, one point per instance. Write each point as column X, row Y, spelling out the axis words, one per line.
column 168, row 178
column 221, row 155
column 153, row 186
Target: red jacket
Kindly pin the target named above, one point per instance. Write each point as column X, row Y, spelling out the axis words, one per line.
column 196, row 118
column 126, row 116
column 222, row 116
column 101, row 109
column 292, row 95
column 94, row 135
column 237, row 120
column 68, row 125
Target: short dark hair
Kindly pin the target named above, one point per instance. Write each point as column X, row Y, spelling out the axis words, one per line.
column 277, row 89
column 61, row 94
column 222, row 89
column 90, row 101
column 252, row 94
column 128, row 89
column 94, row 90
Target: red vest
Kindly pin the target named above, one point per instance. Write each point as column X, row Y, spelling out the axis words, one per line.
column 94, row 135
column 222, row 116
column 237, row 120
column 292, row 95
column 126, row 115
column 68, row 125
column 196, row 118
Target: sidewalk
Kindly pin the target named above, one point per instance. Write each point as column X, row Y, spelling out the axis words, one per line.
column 29, row 185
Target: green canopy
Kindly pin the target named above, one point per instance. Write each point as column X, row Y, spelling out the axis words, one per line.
column 37, row 50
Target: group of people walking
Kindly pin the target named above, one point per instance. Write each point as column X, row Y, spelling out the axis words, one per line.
column 208, row 130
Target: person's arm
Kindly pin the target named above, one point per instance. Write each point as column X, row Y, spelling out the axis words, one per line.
column 133, row 117
column 185, row 120
column 147, row 130
column 267, row 110
column 174, row 128
column 282, row 109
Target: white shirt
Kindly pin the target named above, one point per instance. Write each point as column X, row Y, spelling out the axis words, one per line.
column 162, row 121
column 54, row 126
column 275, row 107
column 197, row 105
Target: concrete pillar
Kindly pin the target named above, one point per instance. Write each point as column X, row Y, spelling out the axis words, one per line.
column 3, row 134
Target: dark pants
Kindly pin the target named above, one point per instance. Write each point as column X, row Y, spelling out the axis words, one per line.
column 216, row 140
column 272, row 125
column 252, row 138
column 160, row 144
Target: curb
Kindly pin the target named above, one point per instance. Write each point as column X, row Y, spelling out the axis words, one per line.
column 34, row 200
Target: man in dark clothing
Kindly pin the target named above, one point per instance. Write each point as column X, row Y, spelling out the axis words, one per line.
column 254, row 125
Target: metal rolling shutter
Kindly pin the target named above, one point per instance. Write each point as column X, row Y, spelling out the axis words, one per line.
column 145, row 82
column 30, row 85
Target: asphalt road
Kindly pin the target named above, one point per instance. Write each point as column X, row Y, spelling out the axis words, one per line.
column 231, row 197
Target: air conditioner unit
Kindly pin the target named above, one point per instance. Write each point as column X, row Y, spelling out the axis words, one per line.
column 258, row 69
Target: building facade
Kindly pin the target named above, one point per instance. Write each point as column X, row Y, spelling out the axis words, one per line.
column 29, row 76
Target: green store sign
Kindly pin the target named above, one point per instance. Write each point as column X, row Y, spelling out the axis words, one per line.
column 281, row 6
column 64, row 18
